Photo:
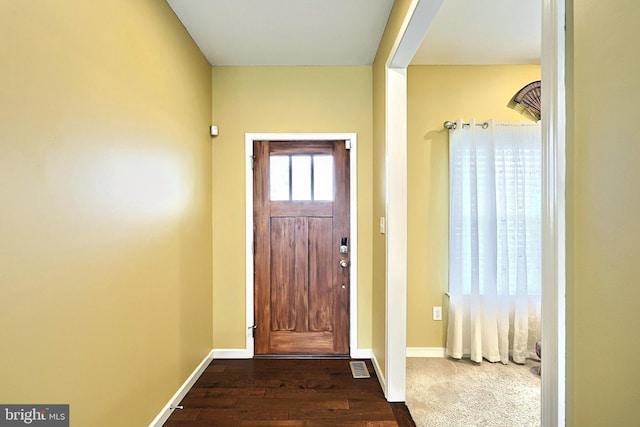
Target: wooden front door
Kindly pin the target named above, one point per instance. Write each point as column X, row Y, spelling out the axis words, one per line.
column 301, row 244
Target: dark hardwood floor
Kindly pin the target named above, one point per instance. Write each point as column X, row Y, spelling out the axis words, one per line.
column 287, row 392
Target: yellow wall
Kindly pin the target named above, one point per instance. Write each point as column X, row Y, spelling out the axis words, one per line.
column 281, row 99
column 437, row 94
column 392, row 29
column 105, row 231
column 604, row 230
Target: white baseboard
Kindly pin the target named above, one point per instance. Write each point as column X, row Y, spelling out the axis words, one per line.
column 361, row 353
column 426, row 352
column 164, row 414
column 232, row 353
column 381, row 378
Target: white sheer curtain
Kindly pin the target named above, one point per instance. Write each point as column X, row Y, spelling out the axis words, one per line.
column 494, row 241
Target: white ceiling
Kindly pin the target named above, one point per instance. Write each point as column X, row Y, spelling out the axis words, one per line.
column 347, row 32
column 285, row 32
column 483, row 32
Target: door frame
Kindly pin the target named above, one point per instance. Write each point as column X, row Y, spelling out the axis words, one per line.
column 353, row 207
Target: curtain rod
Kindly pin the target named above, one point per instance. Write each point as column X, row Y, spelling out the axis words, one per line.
column 452, row 125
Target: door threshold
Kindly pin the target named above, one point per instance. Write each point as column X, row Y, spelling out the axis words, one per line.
column 302, row 356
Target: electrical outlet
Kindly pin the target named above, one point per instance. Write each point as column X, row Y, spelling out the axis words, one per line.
column 437, row 313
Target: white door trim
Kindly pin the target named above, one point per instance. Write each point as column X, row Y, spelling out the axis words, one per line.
column 553, row 393
column 353, row 201
column 396, row 231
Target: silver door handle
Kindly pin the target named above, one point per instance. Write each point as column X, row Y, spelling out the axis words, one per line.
column 344, row 263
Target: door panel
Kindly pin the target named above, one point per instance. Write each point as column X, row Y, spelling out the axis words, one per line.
column 283, row 278
column 301, row 279
column 320, row 274
column 301, row 292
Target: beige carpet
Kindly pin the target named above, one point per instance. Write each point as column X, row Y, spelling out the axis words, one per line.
column 448, row 392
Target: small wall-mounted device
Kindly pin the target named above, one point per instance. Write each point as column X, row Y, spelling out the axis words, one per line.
column 344, row 245
column 213, row 130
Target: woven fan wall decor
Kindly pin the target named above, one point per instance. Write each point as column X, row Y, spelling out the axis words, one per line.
column 527, row 101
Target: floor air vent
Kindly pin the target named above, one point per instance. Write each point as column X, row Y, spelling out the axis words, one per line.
column 359, row 369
